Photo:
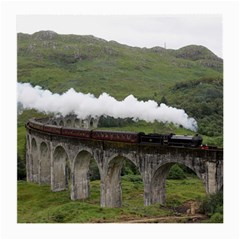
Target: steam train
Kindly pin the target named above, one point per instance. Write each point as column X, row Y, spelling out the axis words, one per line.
column 117, row 136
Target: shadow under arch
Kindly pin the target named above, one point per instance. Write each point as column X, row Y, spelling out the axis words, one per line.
column 28, row 159
column 77, row 123
column 158, row 181
column 111, row 183
column 69, row 123
column 61, row 123
column 45, row 164
column 34, row 160
column 81, row 176
column 91, row 123
column 28, row 142
column 60, row 169
column 55, row 123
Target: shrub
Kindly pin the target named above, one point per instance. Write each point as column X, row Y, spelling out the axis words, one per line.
column 132, row 178
column 21, row 168
column 129, row 169
column 216, row 218
column 58, row 217
column 94, row 171
column 212, row 205
column 176, row 172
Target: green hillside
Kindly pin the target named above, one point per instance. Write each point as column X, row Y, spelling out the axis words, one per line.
column 90, row 64
column 190, row 78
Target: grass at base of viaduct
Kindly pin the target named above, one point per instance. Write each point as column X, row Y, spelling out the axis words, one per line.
column 37, row 204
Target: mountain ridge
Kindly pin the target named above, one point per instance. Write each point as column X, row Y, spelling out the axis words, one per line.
column 181, row 52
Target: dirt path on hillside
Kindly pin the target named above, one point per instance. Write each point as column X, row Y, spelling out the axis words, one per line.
column 188, row 212
column 170, row 219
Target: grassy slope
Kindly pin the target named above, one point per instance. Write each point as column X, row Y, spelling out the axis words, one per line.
column 38, row 204
column 92, row 65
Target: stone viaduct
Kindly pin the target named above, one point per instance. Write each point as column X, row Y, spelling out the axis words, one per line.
column 63, row 162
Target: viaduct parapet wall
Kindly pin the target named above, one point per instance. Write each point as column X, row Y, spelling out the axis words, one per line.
column 63, row 162
column 72, row 120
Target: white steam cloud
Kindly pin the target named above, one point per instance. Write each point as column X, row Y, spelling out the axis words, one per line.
column 84, row 105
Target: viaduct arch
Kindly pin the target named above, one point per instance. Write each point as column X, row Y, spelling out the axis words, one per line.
column 63, row 162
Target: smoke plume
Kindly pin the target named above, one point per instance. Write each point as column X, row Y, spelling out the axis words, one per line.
column 84, row 105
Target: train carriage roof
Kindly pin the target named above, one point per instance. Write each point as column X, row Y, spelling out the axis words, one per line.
column 114, row 132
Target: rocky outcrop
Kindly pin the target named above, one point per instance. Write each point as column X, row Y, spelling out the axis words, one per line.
column 45, row 35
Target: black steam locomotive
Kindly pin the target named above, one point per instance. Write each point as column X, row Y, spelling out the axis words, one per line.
column 118, row 136
column 172, row 139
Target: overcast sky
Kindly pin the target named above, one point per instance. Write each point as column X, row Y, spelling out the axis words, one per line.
column 175, row 31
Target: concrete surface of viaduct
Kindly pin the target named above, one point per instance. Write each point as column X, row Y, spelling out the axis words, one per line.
column 63, row 162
